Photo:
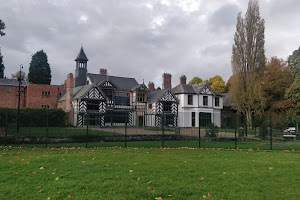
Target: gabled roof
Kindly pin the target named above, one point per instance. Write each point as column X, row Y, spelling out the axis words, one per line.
column 193, row 89
column 78, row 92
column 81, row 56
column 123, row 83
column 140, row 87
column 12, row 82
column 157, row 95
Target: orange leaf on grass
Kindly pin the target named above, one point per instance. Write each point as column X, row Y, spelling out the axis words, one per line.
column 69, row 196
column 201, row 179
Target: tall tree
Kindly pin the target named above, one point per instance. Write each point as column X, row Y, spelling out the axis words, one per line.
column 39, row 69
column 195, row 80
column 2, row 67
column 2, row 27
column 248, row 62
column 294, row 62
column 276, row 80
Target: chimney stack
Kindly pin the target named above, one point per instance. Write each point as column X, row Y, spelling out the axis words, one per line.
column 182, row 79
column 70, row 85
column 151, row 86
column 103, row 71
column 166, row 81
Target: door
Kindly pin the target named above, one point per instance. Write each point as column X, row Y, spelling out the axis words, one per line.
column 141, row 121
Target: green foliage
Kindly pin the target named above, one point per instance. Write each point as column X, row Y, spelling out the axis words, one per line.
column 293, row 94
column 34, row 117
column 211, row 131
column 158, row 88
column 2, row 67
column 39, row 70
column 294, row 62
column 195, row 80
column 2, row 27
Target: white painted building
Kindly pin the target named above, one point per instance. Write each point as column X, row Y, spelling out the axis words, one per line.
column 198, row 101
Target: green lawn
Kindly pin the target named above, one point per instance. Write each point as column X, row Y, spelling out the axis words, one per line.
column 141, row 173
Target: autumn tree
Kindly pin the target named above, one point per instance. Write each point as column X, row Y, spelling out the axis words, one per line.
column 294, row 62
column 293, row 94
column 276, row 80
column 248, row 62
column 2, row 27
column 217, row 83
column 17, row 75
column 2, row 67
column 195, row 80
column 39, row 69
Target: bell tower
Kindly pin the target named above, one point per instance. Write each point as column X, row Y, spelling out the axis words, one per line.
column 81, row 68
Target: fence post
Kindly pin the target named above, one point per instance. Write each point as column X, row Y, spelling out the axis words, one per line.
column 162, row 131
column 125, row 139
column 6, row 126
column 47, row 124
column 235, row 127
column 199, row 139
column 271, row 133
column 87, row 130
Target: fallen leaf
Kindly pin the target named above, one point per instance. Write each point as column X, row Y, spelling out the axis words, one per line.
column 48, row 198
column 201, row 179
column 138, row 178
column 158, row 198
column 149, row 189
column 42, row 168
column 53, row 173
column 149, row 182
column 130, row 171
column 271, row 167
column 169, row 195
column 56, row 178
column 106, row 165
column 34, row 172
column 109, row 191
column 232, row 173
column 69, row 196
column 224, row 172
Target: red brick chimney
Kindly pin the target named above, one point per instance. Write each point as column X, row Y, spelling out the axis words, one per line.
column 151, row 86
column 70, row 85
column 182, row 79
column 103, row 71
column 166, row 81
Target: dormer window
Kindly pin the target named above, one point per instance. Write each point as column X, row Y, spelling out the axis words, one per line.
column 205, row 100
column 140, row 97
column 217, row 101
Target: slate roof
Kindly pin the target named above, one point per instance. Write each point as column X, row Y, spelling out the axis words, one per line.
column 123, row 83
column 78, row 92
column 192, row 89
column 12, row 82
column 81, row 56
column 156, row 95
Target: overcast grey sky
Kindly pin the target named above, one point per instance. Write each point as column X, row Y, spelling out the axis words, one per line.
column 139, row 38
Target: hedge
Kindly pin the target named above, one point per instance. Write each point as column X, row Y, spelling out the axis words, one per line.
column 33, row 117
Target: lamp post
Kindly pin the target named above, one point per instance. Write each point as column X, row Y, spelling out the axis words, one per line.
column 19, row 98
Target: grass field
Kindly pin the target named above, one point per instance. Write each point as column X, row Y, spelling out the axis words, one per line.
column 143, row 173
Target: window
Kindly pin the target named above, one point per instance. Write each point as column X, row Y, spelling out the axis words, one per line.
column 217, row 101
column 140, row 97
column 193, row 119
column 205, row 100
column 8, row 90
column 205, row 118
column 93, row 105
column 108, row 93
column 167, row 106
column 45, row 106
column 122, row 98
column 190, row 99
column 46, row 93
column 150, row 106
column 59, row 93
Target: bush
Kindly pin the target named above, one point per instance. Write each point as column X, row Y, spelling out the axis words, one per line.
column 211, row 131
column 33, row 117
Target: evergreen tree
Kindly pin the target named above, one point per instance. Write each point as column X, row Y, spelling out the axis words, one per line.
column 2, row 27
column 39, row 69
column 2, row 67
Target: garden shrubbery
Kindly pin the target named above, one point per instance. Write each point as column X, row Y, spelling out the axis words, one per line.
column 33, row 117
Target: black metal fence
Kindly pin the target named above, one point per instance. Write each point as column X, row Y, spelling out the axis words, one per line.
column 125, row 129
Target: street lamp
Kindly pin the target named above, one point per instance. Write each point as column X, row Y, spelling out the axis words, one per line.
column 19, row 99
